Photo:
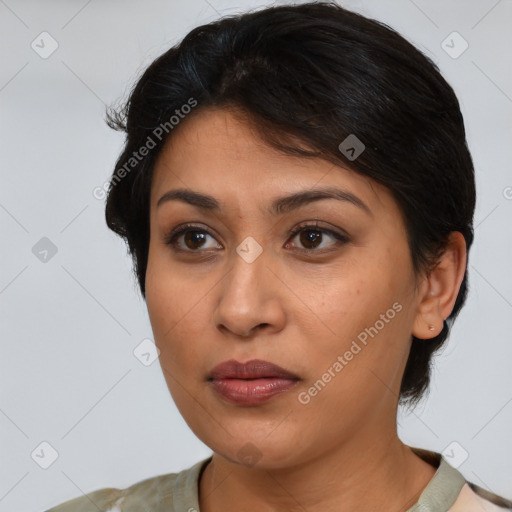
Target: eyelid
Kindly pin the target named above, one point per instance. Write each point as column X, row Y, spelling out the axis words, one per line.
column 342, row 238
column 316, row 225
column 181, row 229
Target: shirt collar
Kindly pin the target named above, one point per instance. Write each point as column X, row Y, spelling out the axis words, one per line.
column 439, row 494
column 444, row 487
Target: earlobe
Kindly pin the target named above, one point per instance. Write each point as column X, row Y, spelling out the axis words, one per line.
column 440, row 289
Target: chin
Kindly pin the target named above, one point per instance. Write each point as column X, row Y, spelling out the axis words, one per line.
column 260, row 451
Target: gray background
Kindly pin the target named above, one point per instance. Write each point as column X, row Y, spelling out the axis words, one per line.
column 70, row 324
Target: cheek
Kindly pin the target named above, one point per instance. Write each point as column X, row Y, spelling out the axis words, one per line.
column 363, row 316
column 173, row 301
column 348, row 302
column 171, row 292
column 176, row 314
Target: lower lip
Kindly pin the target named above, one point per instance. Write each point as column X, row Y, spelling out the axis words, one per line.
column 251, row 392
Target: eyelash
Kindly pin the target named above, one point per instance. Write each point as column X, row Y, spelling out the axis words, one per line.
column 170, row 239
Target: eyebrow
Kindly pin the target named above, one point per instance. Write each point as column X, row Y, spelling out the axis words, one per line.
column 279, row 206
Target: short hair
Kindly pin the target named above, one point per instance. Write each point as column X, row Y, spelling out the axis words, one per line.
column 308, row 76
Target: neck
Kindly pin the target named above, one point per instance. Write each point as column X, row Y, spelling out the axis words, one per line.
column 384, row 475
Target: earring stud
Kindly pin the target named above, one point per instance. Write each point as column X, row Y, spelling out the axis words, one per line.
column 431, row 327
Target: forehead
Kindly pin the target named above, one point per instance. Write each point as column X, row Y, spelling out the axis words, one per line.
column 219, row 153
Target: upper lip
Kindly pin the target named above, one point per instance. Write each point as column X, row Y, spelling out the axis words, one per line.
column 253, row 369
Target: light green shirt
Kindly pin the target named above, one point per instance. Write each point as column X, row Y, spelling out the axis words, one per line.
column 447, row 491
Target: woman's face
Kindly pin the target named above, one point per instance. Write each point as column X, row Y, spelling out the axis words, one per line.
column 239, row 286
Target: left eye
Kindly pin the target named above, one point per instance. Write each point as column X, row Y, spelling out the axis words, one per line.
column 311, row 237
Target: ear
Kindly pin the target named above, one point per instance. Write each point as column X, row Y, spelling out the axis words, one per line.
column 440, row 288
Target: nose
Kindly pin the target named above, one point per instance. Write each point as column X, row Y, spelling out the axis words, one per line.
column 250, row 299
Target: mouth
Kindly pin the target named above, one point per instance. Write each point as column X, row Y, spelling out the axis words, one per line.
column 254, row 369
column 250, row 383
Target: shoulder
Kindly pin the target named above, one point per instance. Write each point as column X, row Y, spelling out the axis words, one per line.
column 473, row 497
column 150, row 494
column 171, row 492
column 450, row 491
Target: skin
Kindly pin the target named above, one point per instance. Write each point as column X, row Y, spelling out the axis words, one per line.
column 340, row 451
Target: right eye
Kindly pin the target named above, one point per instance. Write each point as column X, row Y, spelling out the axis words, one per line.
column 193, row 238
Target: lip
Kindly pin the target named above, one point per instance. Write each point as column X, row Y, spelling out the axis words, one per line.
column 253, row 369
column 251, row 383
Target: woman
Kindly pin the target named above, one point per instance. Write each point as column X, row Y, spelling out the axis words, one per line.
column 297, row 196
